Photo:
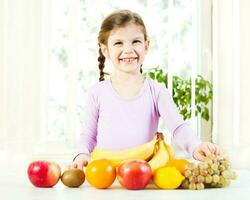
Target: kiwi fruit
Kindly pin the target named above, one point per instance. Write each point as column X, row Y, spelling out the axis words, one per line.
column 73, row 177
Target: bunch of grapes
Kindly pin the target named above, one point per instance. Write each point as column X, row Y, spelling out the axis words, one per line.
column 213, row 172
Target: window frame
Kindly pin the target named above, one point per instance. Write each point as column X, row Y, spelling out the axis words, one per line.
column 204, row 63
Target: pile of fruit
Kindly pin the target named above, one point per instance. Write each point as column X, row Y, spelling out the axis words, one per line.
column 134, row 168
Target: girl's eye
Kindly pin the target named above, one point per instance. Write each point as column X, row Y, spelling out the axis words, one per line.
column 118, row 43
column 136, row 41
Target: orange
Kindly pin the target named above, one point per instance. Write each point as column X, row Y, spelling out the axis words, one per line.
column 180, row 164
column 100, row 173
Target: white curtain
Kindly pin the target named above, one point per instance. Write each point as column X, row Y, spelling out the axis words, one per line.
column 231, row 56
column 24, row 56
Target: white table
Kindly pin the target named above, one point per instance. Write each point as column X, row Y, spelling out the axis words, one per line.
column 14, row 184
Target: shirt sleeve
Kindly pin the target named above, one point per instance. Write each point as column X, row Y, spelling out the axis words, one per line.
column 182, row 133
column 86, row 140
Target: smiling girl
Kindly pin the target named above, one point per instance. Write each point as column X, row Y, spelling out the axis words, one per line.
column 123, row 110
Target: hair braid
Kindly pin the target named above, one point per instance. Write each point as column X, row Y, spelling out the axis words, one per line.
column 101, row 60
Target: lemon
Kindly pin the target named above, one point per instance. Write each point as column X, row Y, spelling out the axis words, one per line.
column 168, row 178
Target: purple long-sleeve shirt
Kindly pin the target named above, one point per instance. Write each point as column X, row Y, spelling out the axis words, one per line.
column 115, row 122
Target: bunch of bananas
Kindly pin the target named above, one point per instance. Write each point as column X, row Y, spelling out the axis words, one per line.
column 157, row 152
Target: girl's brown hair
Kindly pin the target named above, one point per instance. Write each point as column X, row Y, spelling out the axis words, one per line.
column 116, row 19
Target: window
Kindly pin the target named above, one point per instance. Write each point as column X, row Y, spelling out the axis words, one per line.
column 179, row 32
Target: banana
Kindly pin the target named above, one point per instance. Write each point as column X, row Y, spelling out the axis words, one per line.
column 161, row 157
column 141, row 152
column 170, row 151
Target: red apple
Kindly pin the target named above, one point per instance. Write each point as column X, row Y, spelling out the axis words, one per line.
column 44, row 173
column 134, row 175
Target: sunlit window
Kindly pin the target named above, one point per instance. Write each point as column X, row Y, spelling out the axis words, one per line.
column 170, row 26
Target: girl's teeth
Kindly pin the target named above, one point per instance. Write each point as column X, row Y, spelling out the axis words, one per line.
column 129, row 60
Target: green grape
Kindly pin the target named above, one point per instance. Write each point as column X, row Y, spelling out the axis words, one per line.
column 218, row 185
column 203, row 165
column 233, row 175
column 226, row 174
column 200, row 186
column 227, row 165
column 213, row 184
column 200, row 179
column 216, row 178
column 195, row 172
column 222, row 180
column 192, row 166
column 187, row 173
column 203, row 172
column 221, row 167
column 210, row 171
column 214, row 171
column 221, row 159
column 216, row 162
column 214, row 166
column 192, row 186
column 226, row 183
column 217, row 172
column 208, row 179
column 208, row 161
column 230, row 172
column 222, row 162
column 225, row 157
column 185, row 184
column 193, row 179
column 211, row 156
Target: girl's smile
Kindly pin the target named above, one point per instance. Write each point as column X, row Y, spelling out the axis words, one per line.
column 128, row 60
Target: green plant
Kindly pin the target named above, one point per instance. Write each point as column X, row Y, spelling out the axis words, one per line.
column 182, row 92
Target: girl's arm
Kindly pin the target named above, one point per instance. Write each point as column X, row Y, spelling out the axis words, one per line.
column 182, row 133
column 86, row 141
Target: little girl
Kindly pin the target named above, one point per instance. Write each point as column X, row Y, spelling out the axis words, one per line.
column 123, row 110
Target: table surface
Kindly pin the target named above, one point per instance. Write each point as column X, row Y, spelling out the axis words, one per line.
column 14, row 184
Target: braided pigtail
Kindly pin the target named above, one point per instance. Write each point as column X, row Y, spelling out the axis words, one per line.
column 141, row 69
column 101, row 60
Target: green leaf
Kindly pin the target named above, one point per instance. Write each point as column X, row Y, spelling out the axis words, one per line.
column 182, row 92
column 152, row 75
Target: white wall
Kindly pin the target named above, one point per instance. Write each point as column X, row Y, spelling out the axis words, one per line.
column 245, row 70
column 22, row 71
column 21, row 75
column 231, row 78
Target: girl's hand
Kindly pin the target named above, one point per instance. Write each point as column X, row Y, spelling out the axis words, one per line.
column 205, row 149
column 79, row 162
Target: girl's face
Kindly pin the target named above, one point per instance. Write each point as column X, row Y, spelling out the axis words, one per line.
column 126, row 48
